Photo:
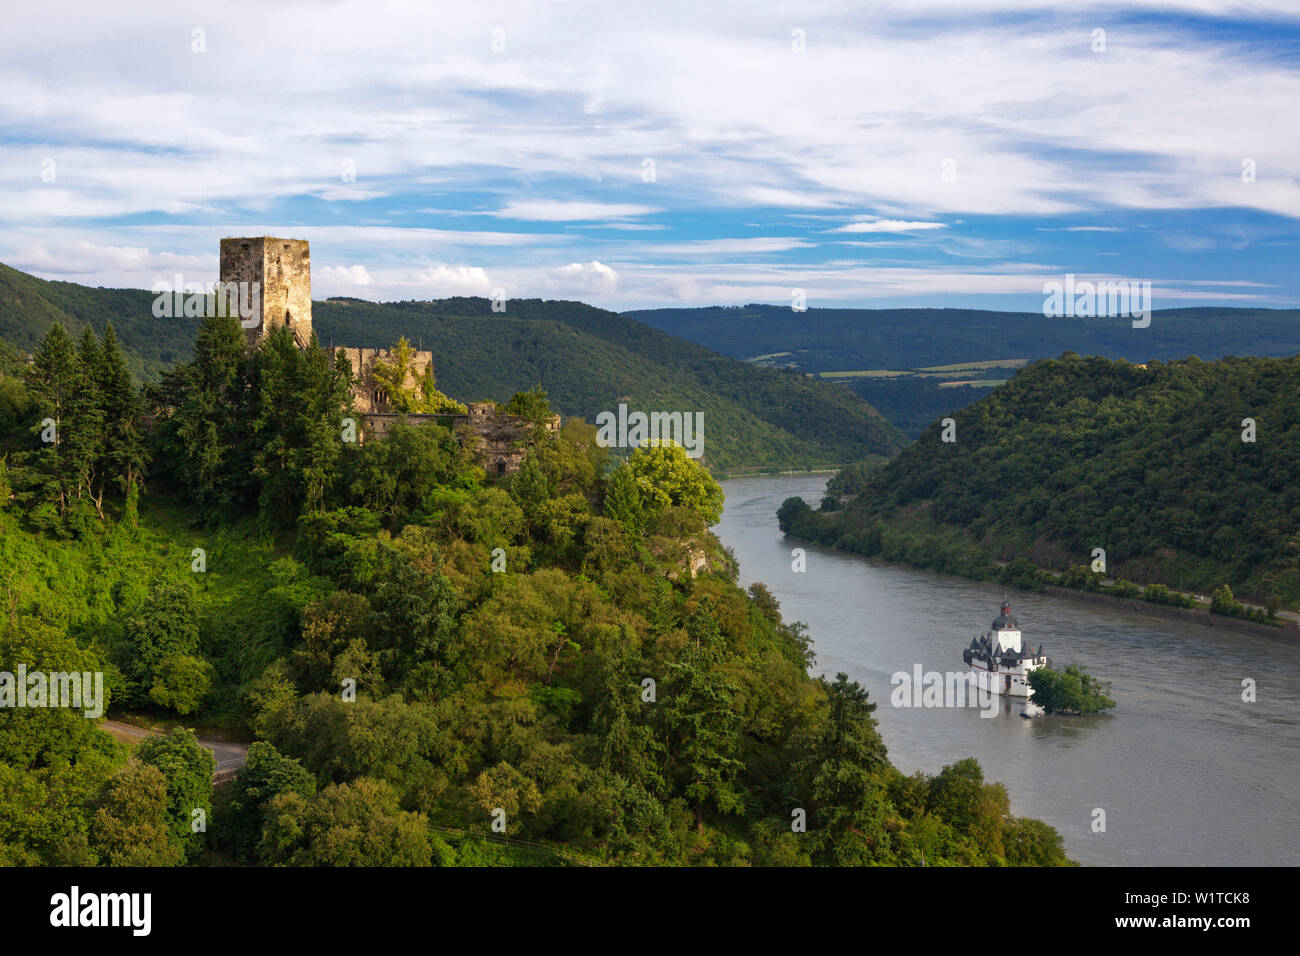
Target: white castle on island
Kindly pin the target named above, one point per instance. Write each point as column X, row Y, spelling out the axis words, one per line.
column 1000, row 664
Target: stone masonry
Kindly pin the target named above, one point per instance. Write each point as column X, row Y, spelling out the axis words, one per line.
column 282, row 268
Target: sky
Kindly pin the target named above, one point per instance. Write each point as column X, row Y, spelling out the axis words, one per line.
column 895, row 153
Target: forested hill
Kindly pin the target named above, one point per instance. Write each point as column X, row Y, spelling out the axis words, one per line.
column 28, row 306
column 590, row 359
column 1075, row 454
column 587, row 359
column 835, row 339
column 917, row 365
column 421, row 651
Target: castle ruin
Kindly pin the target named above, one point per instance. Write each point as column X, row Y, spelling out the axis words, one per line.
column 281, row 271
column 282, row 268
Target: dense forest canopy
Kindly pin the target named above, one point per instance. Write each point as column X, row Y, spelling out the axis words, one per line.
column 589, row 359
column 422, row 654
column 1183, row 472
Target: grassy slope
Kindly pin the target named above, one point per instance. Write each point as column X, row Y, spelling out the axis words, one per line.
column 83, row 585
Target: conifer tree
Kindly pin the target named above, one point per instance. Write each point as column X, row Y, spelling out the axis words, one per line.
column 84, row 432
column 207, row 431
column 51, row 382
column 125, row 457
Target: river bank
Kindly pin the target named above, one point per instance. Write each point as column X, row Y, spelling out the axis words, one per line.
column 1186, row 771
column 1288, row 632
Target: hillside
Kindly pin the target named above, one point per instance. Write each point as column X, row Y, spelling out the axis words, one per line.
column 900, row 347
column 28, row 305
column 587, row 359
column 822, row 340
column 421, row 652
column 1075, row 454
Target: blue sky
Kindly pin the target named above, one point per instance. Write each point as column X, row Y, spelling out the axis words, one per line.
column 894, row 153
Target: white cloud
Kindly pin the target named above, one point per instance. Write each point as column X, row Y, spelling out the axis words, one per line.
column 344, row 276
column 743, row 121
column 583, row 278
column 753, row 245
column 889, row 225
column 443, row 281
column 554, row 211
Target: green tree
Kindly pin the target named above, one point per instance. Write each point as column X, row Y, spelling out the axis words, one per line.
column 666, row 478
column 206, row 439
column 534, row 405
column 180, row 682
column 350, row 824
column 266, row 774
column 51, row 383
column 529, row 485
column 188, row 767
column 125, row 457
column 1071, row 690
column 84, row 441
column 703, row 733
column 624, row 501
column 846, row 775
column 1031, row 842
column 131, row 828
column 156, row 638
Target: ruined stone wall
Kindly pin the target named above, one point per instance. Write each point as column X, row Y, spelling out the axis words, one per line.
column 282, row 269
column 367, row 396
column 499, row 442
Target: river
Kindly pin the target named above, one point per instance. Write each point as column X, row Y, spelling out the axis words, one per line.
column 1186, row 772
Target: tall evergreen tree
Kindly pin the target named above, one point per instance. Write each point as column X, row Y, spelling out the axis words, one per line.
column 206, row 436
column 84, row 438
column 51, row 383
column 704, row 731
column 125, row 457
column 299, row 398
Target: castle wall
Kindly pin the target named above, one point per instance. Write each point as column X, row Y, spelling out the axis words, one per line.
column 499, row 442
column 367, row 396
column 282, row 269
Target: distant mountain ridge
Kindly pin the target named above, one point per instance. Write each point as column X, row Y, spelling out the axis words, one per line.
column 588, row 360
column 857, row 347
column 834, row 339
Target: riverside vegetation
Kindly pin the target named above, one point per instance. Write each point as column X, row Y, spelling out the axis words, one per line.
column 1155, row 465
column 417, row 650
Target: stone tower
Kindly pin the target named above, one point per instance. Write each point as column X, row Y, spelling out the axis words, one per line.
column 281, row 269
